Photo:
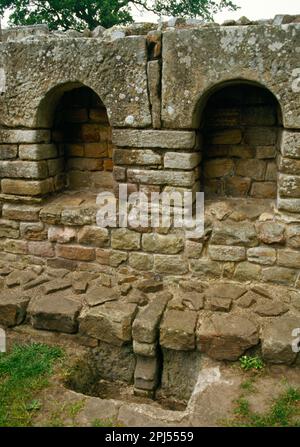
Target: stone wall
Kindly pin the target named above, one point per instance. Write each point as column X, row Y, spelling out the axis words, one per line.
column 55, row 137
column 151, row 106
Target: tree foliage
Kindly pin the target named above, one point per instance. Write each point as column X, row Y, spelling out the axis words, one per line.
column 74, row 14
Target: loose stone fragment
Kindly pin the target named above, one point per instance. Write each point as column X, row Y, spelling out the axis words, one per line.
column 36, row 282
column 271, row 309
column 57, row 286
column 110, row 322
column 55, row 313
column 226, row 336
column 150, row 286
column 193, row 300
column 277, row 339
column 146, row 324
column 177, row 330
column 12, row 308
column 99, row 295
column 220, row 304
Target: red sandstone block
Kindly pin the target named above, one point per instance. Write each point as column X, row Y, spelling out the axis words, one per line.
column 76, row 252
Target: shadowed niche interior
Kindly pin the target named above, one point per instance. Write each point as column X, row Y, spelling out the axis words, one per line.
column 240, row 127
column 82, row 133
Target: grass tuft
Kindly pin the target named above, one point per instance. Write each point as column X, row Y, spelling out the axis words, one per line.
column 23, row 372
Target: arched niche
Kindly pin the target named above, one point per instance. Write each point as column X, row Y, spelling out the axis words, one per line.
column 82, row 136
column 239, row 122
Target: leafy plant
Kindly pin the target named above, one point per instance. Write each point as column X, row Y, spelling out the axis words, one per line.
column 249, row 363
column 74, row 14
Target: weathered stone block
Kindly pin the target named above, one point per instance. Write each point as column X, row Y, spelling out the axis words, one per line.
column 271, row 172
column 12, row 308
column 289, row 165
column 206, row 267
column 8, row 151
column 136, row 157
column 145, row 349
column 218, row 168
column 172, row 178
column 110, row 322
column 76, row 252
column 193, row 250
column 288, row 258
column 226, row 253
column 25, row 169
column 55, row 314
column 269, row 308
column 237, row 186
column 99, row 294
column 279, row 275
column 28, row 213
column 26, row 188
column 71, row 216
column 262, row 255
column 115, row 362
column 177, row 330
column 43, row 249
column 14, row 246
column 241, row 233
column 226, row 336
column 290, row 205
column 9, row 228
column 290, row 144
column 94, row 236
column 253, row 168
column 157, row 243
column 175, row 265
column 24, row 136
column 225, row 290
column 177, row 160
column 265, row 152
column 154, row 79
column 246, row 271
column 270, row 232
column 60, row 234
column 146, row 325
column 37, row 151
column 150, row 285
column 123, row 239
column 277, row 339
column 264, row 190
column 141, row 261
column 146, row 373
column 219, row 304
column 293, row 235
column 154, row 139
column 289, row 185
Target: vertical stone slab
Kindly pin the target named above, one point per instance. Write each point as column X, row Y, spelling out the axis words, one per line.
column 154, row 85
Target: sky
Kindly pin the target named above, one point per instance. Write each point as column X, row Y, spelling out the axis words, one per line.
column 253, row 9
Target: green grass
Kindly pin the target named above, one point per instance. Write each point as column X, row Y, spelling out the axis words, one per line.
column 251, row 363
column 106, row 423
column 284, row 412
column 23, row 373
